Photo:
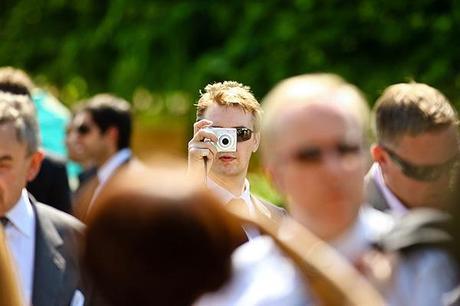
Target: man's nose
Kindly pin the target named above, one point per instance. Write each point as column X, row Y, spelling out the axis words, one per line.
column 332, row 163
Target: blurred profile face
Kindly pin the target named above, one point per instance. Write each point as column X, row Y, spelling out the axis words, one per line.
column 75, row 151
column 319, row 165
column 436, row 148
column 17, row 167
column 232, row 164
column 87, row 140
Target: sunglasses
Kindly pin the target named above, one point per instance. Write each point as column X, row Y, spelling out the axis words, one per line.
column 422, row 173
column 83, row 129
column 243, row 134
column 315, row 154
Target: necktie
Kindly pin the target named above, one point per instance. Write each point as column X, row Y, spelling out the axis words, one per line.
column 9, row 289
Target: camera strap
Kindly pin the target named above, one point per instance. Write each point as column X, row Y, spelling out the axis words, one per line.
column 205, row 160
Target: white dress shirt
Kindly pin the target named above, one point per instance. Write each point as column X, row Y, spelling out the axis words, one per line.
column 370, row 225
column 422, row 278
column 261, row 276
column 109, row 167
column 396, row 207
column 20, row 237
column 226, row 196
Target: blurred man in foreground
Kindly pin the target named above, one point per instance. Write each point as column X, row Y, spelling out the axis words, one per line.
column 315, row 152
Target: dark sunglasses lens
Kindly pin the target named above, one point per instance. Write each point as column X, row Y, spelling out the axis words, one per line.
column 243, row 134
column 83, row 129
column 422, row 174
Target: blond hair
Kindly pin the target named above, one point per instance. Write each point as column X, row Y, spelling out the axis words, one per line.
column 229, row 93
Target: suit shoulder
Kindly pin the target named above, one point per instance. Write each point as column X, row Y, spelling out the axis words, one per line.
column 272, row 207
column 60, row 219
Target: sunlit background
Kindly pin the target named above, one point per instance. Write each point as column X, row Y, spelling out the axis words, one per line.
column 158, row 54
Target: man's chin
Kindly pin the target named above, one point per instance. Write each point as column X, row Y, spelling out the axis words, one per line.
column 227, row 171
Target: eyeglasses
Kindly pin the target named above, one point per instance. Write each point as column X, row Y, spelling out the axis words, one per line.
column 243, row 134
column 315, row 154
column 422, row 173
column 83, row 129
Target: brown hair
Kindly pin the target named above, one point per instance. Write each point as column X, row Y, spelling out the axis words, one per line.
column 160, row 241
column 107, row 111
column 229, row 93
column 411, row 108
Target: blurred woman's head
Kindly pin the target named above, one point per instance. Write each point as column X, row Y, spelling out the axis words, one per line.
column 155, row 239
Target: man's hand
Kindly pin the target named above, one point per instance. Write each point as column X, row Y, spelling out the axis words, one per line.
column 201, row 147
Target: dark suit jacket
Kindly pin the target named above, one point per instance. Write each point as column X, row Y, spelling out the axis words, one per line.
column 84, row 200
column 56, row 268
column 51, row 186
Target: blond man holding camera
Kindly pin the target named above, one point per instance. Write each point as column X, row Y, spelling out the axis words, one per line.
column 226, row 135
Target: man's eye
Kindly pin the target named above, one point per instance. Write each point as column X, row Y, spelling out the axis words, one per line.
column 348, row 149
column 5, row 165
column 309, row 155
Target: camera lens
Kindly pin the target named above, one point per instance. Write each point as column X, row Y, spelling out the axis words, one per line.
column 225, row 141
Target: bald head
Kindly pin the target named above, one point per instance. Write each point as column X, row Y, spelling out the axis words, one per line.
column 297, row 92
column 313, row 141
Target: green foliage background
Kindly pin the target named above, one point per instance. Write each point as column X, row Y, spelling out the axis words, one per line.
column 85, row 46
column 159, row 53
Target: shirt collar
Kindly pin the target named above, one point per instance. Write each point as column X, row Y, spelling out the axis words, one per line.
column 226, row 196
column 396, row 207
column 21, row 215
column 223, row 194
column 368, row 228
column 113, row 163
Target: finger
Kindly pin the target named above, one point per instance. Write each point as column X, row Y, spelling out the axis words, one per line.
column 202, row 146
column 201, row 124
column 204, row 134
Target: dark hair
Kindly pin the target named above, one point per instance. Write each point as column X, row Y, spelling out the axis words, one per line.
column 164, row 245
column 110, row 111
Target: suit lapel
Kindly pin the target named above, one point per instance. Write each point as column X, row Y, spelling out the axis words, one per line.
column 263, row 214
column 49, row 264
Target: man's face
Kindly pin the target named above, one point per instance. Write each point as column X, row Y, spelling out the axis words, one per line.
column 17, row 167
column 319, row 166
column 233, row 164
column 89, row 143
column 428, row 149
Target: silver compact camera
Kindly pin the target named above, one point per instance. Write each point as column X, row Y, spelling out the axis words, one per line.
column 226, row 139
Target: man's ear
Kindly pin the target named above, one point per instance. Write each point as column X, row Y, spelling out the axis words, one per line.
column 256, row 142
column 35, row 164
column 378, row 154
column 113, row 134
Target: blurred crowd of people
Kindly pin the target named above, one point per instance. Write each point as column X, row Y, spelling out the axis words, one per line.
column 369, row 214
